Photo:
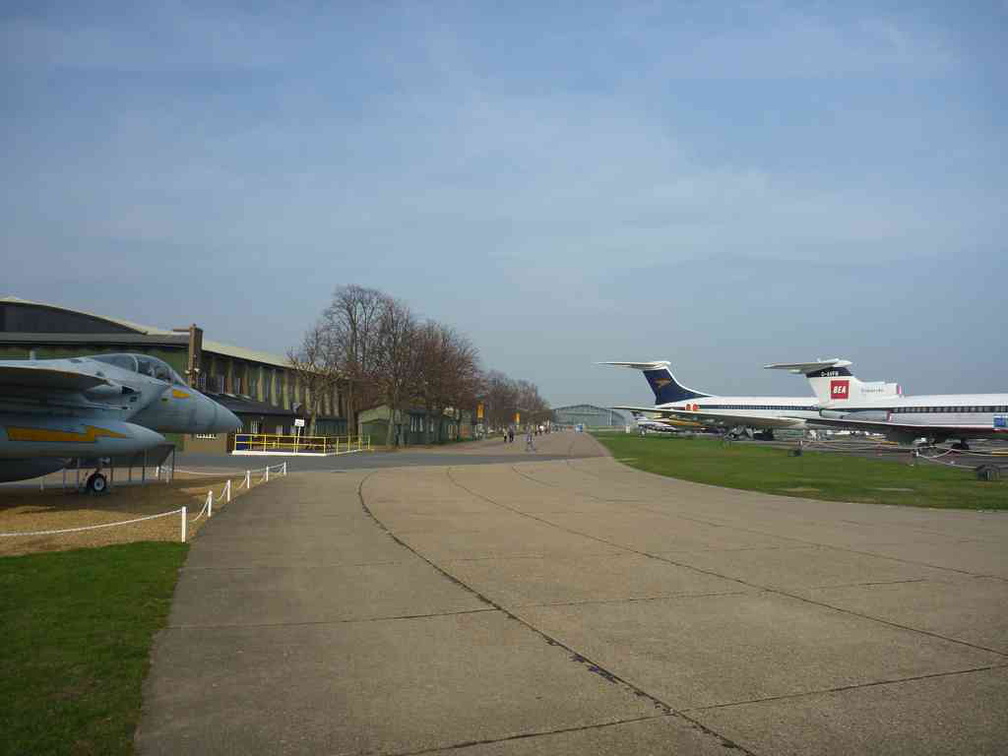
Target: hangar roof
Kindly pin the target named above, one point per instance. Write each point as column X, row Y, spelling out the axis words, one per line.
column 216, row 347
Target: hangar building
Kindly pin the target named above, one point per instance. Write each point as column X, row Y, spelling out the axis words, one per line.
column 589, row 415
column 261, row 388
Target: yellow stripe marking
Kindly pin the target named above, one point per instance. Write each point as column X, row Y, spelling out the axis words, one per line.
column 56, row 436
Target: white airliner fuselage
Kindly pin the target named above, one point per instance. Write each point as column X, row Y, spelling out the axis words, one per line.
column 764, row 413
column 846, row 402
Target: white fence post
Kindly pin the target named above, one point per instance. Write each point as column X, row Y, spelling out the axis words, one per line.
column 285, row 469
column 267, row 474
column 227, row 491
column 209, row 503
column 248, row 479
column 183, row 524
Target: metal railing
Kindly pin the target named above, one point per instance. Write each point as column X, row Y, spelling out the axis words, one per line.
column 276, row 443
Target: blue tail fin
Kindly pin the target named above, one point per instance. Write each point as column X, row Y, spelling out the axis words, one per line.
column 664, row 385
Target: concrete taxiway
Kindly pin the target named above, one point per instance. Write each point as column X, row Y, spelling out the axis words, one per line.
column 574, row 605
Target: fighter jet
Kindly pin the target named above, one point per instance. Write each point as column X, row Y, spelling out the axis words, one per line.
column 52, row 411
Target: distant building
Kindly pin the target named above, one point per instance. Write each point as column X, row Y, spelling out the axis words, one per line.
column 589, row 415
column 414, row 427
column 261, row 388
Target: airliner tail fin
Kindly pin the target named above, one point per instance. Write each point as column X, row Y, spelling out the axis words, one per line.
column 664, row 385
column 834, row 383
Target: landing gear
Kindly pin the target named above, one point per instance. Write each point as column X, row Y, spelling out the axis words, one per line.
column 97, row 483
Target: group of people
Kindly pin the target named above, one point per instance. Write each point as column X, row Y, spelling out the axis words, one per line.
column 509, row 436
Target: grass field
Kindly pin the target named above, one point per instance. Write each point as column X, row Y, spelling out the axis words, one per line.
column 814, row 475
column 77, row 629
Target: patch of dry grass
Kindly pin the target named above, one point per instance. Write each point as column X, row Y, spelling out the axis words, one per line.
column 26, row 510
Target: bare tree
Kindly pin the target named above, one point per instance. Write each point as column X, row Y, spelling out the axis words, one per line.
column 429, row 372
column 447, row 374
column 464, row 373
column 505, row 397
column 534, row 408
column 314, row 366
column 373, row 343
column 351, row 332
column 500, row 399
column 395, row 357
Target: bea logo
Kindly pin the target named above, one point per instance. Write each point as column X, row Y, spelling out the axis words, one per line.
column 839, row 390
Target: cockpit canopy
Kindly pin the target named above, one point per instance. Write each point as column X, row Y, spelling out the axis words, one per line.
column 143, row 364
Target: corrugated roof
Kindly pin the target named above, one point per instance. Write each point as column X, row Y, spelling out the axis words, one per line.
column 150, row 330
column 244, row 354
column 217, row 347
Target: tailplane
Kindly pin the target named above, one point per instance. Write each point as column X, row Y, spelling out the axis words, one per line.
column 664, row 385
column 834, row 383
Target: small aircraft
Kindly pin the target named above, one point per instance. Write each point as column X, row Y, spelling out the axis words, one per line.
column 846, row 402
column 739, row 414
column 666, row 425
column 52, row 411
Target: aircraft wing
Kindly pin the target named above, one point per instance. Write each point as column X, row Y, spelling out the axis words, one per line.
column 629, row 408
column 909, row 429
column 722, row 418
column 42, row 377
column 808, row 367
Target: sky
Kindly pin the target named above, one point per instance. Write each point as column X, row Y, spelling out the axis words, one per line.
column 720, row 185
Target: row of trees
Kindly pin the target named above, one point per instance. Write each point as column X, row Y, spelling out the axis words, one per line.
column 376, row 351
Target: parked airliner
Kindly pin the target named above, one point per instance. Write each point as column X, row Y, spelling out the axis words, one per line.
column 847, row 403
column 737, row 413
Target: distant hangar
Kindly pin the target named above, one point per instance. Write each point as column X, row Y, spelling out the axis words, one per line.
column 589, row 415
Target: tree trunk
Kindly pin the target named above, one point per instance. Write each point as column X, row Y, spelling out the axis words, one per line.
column 391, row 426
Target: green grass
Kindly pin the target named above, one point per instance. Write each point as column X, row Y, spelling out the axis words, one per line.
column 77, row 629
column 814, row 475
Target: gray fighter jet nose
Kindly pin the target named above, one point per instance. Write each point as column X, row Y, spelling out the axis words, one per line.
column 230, row 419
column 217, row 418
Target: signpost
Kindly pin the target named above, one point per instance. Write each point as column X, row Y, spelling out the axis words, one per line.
column 298, row 425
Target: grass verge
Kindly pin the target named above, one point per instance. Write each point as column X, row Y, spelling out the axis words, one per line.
column 814, row 475
column 77, row 629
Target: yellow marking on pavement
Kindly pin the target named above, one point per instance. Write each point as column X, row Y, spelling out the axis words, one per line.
column 180, row 394
column 90, row 434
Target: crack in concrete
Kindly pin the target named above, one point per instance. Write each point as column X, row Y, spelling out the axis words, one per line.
column 768, row 589
column 664, row 597
column 842, row 688
column 659, row 704
column 273, row 567
column 703, row 521
column 868, row 584
column 348, row 621
column 713, row 573
column 526, row 735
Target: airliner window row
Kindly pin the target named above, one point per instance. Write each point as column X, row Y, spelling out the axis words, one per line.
column 785, row 407
column 948, row 410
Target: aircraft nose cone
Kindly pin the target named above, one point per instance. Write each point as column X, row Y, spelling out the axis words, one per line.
column 219, row 419
column 229, row 418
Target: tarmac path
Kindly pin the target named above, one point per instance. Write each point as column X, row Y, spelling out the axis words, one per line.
column 574, row 605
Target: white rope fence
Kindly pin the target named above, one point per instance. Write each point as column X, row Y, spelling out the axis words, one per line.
column 92, row 527
column 225, row 494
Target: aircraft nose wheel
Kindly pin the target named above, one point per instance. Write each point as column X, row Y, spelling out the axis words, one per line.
column 97, row 483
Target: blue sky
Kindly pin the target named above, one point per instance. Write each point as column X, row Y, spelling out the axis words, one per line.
column 720, row 185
